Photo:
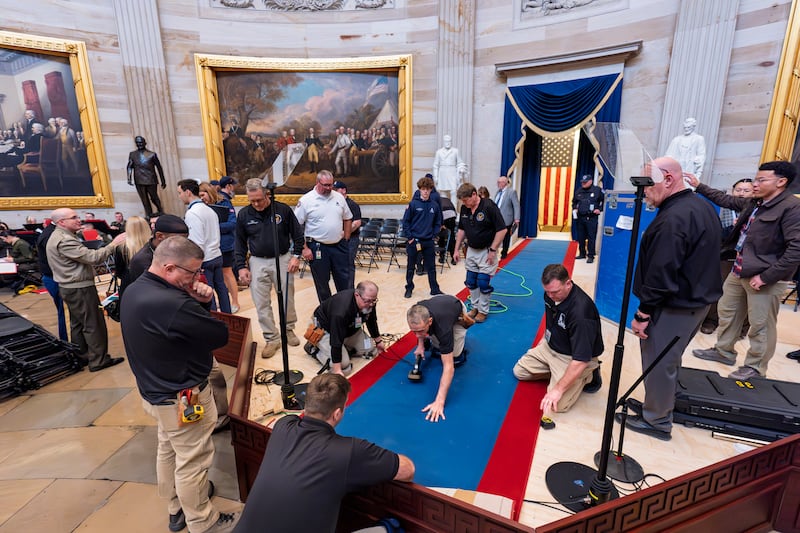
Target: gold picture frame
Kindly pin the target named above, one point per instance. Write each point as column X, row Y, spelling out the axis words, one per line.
column 78, row 177
column 346, row 91
column 782, row 142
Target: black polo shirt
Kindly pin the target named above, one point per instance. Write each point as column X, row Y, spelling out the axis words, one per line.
column 340, row 317
column 573, row 326
column 356, row 210
column 481, row 226
column 254, row 233
column 306, row 471
column 445, row 311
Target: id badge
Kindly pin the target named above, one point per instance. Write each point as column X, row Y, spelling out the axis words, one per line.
column 358, row 322
column 367, row 343
column 419, row 246
column 318, row 254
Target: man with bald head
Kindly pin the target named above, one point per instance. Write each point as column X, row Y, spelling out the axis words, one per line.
column 676, row 279
column 73, row 269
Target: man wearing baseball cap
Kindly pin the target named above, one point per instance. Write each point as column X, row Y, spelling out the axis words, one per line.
column 586, row 207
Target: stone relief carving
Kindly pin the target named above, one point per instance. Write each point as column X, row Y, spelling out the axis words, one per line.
column 545, row 7
column 304, row 5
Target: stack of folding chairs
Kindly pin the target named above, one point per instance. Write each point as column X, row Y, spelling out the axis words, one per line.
column 30, row 357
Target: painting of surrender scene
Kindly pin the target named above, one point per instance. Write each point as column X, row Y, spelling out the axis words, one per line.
column 294, row 124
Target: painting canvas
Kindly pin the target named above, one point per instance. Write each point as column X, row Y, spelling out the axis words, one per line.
column 49, row 142
column 288, row 124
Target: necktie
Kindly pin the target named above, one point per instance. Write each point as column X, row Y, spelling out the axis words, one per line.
column 499, row 196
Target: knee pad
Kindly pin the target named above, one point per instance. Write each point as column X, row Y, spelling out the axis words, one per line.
column 483, row 283
column 472, row 280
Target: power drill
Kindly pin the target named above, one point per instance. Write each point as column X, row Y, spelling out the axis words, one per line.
column 189, row 413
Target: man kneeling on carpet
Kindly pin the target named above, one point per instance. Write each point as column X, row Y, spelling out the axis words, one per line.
column 440, row 322
column 573, row 341
column 308, row 468
column 341, row 319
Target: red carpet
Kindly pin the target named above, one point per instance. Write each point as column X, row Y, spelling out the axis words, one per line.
column 508, row 468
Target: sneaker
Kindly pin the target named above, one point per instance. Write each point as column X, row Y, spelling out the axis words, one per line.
column 420, row 272
column 744, row 373
column 590, row 260
column 597, row 382
column 581, row 257
column 634, row 405
column 177, row 521
column 408, row 293
column 794, row 355
column 436, row 292
column 480, row 317
column 225, row 522
column 291, row 338
column 711, row 354
column 270, row 348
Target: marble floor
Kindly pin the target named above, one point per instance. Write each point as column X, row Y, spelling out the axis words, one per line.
column 79, row 454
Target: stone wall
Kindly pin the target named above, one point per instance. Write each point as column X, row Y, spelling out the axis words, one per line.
column 412, row 26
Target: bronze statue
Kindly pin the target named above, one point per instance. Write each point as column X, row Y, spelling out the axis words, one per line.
column 144, row 170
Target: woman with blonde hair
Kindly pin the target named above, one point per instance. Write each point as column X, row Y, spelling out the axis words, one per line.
column 138, row 233
column 227, row 235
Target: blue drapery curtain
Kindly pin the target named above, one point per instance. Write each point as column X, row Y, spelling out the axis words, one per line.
column 546, row 109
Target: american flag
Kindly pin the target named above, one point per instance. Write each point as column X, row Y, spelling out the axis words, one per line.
column 555, row 196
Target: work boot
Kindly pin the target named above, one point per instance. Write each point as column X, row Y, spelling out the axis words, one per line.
column 596, row 382
column 291, row 338
column 473, row 312
column 270, row 348
column 480, row 317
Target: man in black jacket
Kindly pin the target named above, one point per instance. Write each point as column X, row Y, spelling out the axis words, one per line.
column 169, row 335
column 767, row 251
column 676, row 279
column 342, row 317
column 587, row 204
column 255, row 234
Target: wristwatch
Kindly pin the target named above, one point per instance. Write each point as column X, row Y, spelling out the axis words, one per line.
column 640, row 318
column 492, row 250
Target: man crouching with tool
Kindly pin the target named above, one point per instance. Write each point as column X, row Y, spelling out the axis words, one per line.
column 441, row 323
column 169, row 335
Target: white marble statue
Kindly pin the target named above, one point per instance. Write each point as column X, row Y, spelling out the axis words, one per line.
column 448, row 169
column 689, row 149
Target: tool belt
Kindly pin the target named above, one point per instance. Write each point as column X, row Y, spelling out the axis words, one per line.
column 313, row 334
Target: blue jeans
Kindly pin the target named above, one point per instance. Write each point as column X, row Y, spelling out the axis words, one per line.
column 52, row 289
column 213, row 272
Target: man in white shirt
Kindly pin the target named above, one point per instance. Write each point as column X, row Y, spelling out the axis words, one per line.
column 327, row 221
column 203, row 225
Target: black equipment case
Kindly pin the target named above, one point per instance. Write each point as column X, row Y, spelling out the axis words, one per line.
column 766, row 404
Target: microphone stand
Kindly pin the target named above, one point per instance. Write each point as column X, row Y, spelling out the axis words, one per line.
column 291, row 401
column 562, row 478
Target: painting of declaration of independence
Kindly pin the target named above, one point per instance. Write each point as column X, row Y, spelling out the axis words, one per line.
column 42, row 146
column 291, row 125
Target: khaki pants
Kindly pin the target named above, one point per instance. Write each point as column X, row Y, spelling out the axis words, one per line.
column 739, row 301
column 355, row 342
column 263, row 272
column 542, row 360
column 477, row 260
column 185, row 453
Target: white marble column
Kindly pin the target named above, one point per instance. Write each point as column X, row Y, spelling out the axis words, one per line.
column 701, row 53
column 455, row 66
column 148, row 90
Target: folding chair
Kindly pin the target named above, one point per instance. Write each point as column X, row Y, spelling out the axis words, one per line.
column 367, row 248
column 441, row 251
column 398, row 247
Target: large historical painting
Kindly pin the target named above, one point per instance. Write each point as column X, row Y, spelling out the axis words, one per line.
column 51, row 153
column 286, row 124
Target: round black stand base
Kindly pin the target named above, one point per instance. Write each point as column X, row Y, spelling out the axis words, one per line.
column 295, row 376
column 569, row 484
column 622, row 467
column 294, row 397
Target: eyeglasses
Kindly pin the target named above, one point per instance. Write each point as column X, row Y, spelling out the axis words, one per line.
column 326, row 185
column 420, row 330
column 368, row 301
column 762, row 180
column 194, row 273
